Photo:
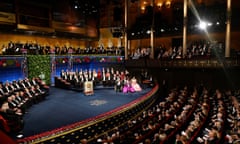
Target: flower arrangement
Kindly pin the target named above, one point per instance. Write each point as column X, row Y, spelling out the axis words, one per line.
column 10, row 62
column 89, row 59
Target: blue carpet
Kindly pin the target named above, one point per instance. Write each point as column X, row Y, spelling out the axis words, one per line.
column 64, row 107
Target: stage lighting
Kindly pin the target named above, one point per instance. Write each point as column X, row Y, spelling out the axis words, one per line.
column 202, row 25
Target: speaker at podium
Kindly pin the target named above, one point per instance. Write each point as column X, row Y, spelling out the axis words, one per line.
column 88, row 88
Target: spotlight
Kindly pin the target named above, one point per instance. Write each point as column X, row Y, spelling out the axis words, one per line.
column 202, row 25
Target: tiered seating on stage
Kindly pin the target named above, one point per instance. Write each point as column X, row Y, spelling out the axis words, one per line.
column 101, row 78
column 15, row 99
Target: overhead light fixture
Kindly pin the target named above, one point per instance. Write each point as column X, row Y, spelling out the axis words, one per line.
column 202, row 25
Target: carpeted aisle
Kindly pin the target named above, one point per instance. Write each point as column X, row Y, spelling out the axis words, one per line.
column 64, row 107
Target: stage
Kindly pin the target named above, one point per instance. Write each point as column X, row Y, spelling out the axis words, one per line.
column 65, row 107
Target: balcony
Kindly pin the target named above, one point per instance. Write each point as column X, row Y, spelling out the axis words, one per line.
column 184, row 63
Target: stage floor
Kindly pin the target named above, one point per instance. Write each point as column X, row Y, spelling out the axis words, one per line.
column 65, row 107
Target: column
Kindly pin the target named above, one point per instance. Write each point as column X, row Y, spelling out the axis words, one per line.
column 152, row 33
column 185, row 28
column 53, row 67
column 228, row 30
column 24, row 65
column 125, row 29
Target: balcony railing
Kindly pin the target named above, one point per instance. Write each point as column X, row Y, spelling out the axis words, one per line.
column 184, row 63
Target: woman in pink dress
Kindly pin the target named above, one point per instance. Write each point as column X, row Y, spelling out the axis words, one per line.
column 135, row 85
column 127, row 87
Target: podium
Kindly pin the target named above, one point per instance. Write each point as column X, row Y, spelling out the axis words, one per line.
column 88, row 88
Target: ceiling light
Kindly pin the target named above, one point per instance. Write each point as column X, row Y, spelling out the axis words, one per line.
column 202, row 25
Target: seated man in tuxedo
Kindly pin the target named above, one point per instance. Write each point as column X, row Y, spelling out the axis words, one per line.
column 8, row 110
column 3, row 92
column 13, row 117
column 118, row 85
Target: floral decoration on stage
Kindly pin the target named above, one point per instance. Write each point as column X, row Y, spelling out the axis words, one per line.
column 10, row 62
column 90, row 59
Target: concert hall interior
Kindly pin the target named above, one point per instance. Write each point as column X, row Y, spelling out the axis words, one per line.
column 119, row 72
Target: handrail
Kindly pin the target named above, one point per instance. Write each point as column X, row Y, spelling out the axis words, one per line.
column 184, row 63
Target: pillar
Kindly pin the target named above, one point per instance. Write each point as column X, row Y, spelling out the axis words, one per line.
column 152, row 33
column 185, row 28
column 228, row 30
column 125, row 29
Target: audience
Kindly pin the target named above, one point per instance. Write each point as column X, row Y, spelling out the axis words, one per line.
column 17, row 48
column 189, row 117
column 15, row 99
column 119, row 80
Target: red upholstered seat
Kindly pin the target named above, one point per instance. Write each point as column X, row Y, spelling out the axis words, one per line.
column 4, row 123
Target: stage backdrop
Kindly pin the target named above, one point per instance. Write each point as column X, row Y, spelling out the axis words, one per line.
column 48, row 66
column 11, row 68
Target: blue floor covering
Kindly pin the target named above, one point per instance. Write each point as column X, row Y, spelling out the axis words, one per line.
column 64, row 107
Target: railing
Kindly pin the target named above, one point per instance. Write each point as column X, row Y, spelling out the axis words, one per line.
column 183, row 63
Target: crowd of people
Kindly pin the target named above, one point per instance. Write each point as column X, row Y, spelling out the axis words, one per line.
column 187, row 115
column 119, row 80
column 17, row 48
column 141, row 53
column 16, row 98
column 195, row 49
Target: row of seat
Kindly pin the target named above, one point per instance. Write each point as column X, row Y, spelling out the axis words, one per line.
column 140, row 127
column 202, row 118
column 18, row 96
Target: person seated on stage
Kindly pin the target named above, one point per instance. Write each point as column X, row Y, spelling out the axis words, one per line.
column 70, row 78
column 27, row 82
column 22, row 84
column 104, row 78
column 42, row 84
column 41, row 92
column 15, row 101
column 2, row 91
column 14, row 117
column 27, row 94
column 127, row 86
column 16, row 86
column 108, row 77
column 126, row 73
column 99, row 75
column 122, row 75
column 76, row 82
column 118, row 85
column 6, row 110
column 7, row 88
column 135, row 85
column 118, row 74
column 95, row 77
column 112, row 71
column 90, row 76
